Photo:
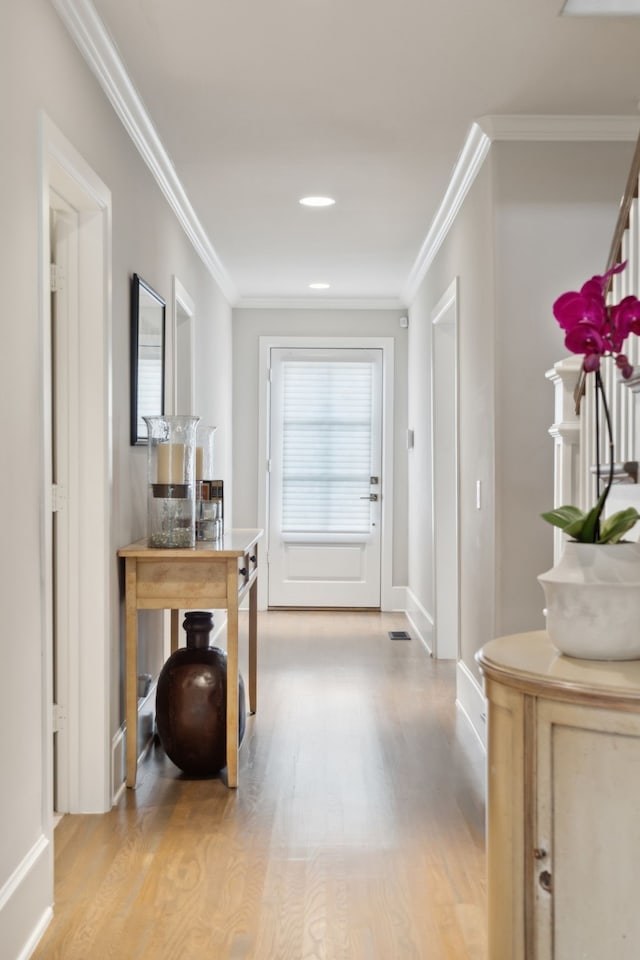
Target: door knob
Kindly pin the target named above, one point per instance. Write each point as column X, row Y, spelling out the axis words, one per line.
column 372, row 496
column 545, row 881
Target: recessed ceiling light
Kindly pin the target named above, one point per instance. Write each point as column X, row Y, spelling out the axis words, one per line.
column 317, row 201
column 319, row 286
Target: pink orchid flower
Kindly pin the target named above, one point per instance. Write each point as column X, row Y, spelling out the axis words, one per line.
column 595, row 329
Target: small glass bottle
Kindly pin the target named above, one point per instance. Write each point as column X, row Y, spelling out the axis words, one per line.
column 207, row 517
column 171, row 481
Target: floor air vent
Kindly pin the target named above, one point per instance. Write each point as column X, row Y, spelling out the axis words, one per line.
column 399, row 635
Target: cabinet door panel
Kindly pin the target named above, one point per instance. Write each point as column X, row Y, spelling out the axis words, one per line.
column 588, row 823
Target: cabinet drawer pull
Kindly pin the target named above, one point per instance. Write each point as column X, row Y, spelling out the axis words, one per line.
column 545, row 881
column 253, row 559
column 242, row 571
column 539, row 853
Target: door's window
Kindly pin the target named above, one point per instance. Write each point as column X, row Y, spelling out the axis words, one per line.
column 327, row 430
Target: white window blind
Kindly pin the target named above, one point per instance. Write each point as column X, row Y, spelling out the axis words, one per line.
column 149, row 380
column 327, row 426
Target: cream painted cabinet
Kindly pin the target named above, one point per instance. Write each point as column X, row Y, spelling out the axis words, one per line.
column 563, row 803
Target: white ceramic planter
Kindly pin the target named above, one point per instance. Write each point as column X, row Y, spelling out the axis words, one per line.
column 593, row 601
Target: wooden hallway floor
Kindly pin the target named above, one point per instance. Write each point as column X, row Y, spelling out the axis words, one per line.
column 357, row 832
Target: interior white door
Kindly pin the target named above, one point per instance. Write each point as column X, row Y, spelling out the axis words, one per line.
column 63, row 255
column 325, row 484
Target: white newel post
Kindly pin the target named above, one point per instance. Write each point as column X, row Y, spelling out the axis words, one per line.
column 566, row 437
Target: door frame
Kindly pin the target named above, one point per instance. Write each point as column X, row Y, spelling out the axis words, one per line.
column 63, row 251
column 183, row 313
column 91, row 584
column 386, row 344
column 445, row 476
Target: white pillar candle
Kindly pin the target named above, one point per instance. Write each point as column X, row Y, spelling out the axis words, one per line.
column 171, row 463
column 199, row 463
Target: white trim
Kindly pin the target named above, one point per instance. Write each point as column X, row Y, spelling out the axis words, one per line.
column 23, row 869
column 464, row 173
column 36, row 934
column 448, row 297
column 387, row 345
column 62, row 169
column 560, row 127
column 182, row 302
column 600, row 8
column 97, row 48
column 476, row 147
column 419, row 618
column 441, row 317
column 397, row 599
column 472, row 701
column 64, row 226
column 118, row 764
column 23, row 919
column 146, row 708
column 321, row 303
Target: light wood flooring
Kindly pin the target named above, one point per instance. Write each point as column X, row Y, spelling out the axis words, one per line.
column 357, row 832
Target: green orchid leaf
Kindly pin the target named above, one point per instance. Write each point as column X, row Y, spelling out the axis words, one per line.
column 563, row 516
column 574, row 530
column 589, row 532
column 615, row 526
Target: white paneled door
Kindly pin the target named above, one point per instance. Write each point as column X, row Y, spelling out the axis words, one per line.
column 325, row 483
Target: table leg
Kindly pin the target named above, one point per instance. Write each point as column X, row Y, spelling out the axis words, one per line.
column 253, row 646
column 131, row 670
column 232, row 673
column 175, row 630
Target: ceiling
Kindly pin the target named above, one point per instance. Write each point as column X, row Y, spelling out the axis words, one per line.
column 261, row 102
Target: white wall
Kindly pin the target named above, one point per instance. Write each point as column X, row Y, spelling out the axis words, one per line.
column 537, row 221
column 251, row 324
column 466, row 253
column 556, row 206
column 40, row 69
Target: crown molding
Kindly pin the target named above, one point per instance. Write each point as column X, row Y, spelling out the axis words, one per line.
column 600, row 8
column 89, row 33
column 320, row 303
column 560, row 127
column 469, row 163
column 489, row 129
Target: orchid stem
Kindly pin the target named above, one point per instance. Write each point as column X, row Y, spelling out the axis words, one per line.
column 601, row 395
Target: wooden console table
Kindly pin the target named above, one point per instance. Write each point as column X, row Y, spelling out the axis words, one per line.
column 209, row 576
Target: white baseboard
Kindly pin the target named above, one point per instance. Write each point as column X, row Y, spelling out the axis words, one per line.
column 118, row 764
column 471, row 701
column 419, row 618
column 394, row 599
column 26, row 902
column 36, row 934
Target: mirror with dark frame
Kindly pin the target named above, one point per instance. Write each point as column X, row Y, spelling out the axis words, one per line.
column 147, row 357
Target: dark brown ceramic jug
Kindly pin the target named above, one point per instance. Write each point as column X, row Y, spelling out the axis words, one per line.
column 191, row 701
